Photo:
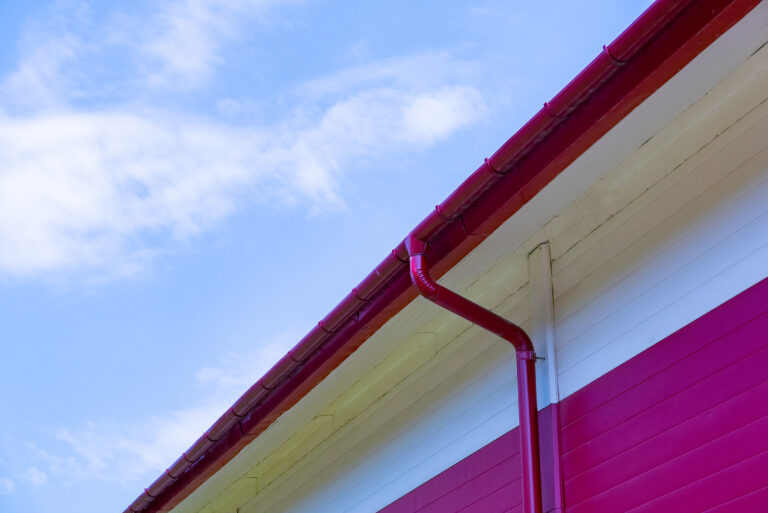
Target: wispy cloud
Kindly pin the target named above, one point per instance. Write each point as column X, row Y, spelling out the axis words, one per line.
column 41, row 80
column 106, row 450
column 185, row 43
column 235, row 372
column 35, row 476
column 96, row 191
column 175, row 47
column 420, row 71
column 7, row 486
column 78, row 189
column 129, row 452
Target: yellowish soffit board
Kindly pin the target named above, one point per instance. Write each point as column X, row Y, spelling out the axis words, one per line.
column 425, row 344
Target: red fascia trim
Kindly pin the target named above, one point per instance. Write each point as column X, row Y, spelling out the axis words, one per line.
column 666, row 37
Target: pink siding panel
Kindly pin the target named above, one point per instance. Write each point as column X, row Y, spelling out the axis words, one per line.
column 676, row 381
column 687, row 436
column 716, row 489
column 490, row 483
column 507, row 498
column 681, row 427
column 719, row 388
column 750, row 501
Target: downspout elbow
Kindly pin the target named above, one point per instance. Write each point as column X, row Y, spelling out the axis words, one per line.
column 430, row 289
column 420, row 277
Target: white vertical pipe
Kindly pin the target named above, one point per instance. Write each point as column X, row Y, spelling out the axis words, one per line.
column 543, row 316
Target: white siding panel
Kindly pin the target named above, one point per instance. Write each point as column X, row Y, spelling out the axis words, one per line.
column 660, row 252
column 726, row 284
column 483, row 422
column 620, row 310
column 469, row 410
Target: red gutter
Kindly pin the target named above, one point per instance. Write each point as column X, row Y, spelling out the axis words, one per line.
column 526, row 363
column 666, row 37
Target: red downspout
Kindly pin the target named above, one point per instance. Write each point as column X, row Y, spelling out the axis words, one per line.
column 526, row 360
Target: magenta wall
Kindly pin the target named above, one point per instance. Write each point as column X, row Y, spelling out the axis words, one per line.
column 681, row 427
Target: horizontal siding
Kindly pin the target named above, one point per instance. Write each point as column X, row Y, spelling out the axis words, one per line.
column 709, row 492
column 682, row 426
column 752, row 500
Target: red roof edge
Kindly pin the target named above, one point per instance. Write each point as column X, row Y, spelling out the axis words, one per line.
column 666, row 37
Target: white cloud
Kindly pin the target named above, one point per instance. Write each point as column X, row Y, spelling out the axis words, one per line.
column 176, row 45
column 238, row 371
column 35, row 476
column 128, row 453
column 185, row 43
column 417, row 72
column 95, row 192
column 76, row 189
column 7, row 486
column 432, row 116
column 39, row 82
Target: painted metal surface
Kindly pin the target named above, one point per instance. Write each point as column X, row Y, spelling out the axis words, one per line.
column 526, row 363
column 665, row 38
column 680, row 427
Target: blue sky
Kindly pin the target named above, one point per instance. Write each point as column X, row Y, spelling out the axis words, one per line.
column 188, row 186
